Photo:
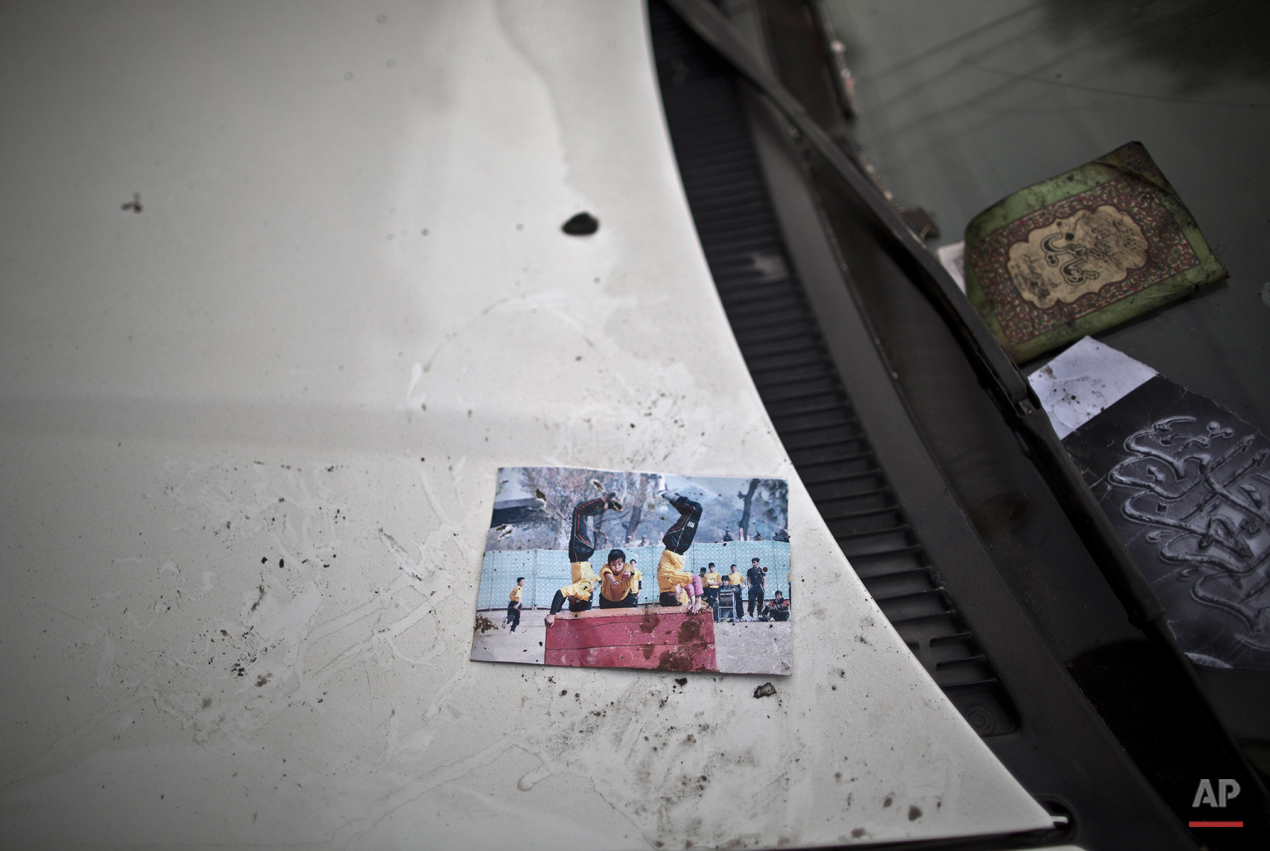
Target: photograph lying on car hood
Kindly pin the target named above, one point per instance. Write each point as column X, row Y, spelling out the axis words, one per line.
column 718, row 592
column 549, row 424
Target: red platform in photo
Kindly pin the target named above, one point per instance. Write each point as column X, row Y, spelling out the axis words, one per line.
column 653, row 637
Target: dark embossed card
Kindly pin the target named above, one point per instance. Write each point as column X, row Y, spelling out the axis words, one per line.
column 1186, row 483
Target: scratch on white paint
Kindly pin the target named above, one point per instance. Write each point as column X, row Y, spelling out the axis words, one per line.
column 249, row 653
column 415, row 745
column 430, row 584
column 560, row 305
column 392, row 802
column 601, row 790
column 443, row 694
column 456, row 476
column 349, row 618
column 532, row 778
column 440, row 512
column 416, row 375
column 58, row 748
column 107, row 660
column 390, row 743
column 437, row 647
column 285, row 613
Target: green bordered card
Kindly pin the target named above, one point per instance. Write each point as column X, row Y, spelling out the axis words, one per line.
column 1082, row 252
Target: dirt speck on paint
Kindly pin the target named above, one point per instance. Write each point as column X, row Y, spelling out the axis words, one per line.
column 650, row 621
column 582, row 224
column 857, row 833
column 914, row 813
column 678, row 659
column 765, row 690
column 484, row 624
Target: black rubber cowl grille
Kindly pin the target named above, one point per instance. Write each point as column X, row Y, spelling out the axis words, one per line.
column 783, row 346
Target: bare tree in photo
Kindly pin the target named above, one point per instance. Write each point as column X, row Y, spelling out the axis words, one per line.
column 560, row 489
column 758, row 505
column 770, row 507
column 746, row 499
column 632, row 522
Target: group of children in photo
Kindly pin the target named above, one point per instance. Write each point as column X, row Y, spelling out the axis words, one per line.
column 726, row 592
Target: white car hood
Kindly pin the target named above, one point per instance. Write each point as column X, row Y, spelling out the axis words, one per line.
column 251, row 434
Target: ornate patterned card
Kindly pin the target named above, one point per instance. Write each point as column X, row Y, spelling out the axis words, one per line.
column 1082, row 252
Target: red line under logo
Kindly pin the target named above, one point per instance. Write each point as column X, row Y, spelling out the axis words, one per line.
column 1216, row 824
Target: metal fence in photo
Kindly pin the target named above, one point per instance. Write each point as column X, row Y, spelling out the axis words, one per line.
column 547, row 571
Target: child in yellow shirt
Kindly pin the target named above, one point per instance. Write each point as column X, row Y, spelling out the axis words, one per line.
column 735, row 581
column 617, row 583
column 513, row 603
column 639, row 580
column 673, row 581
column 578, row 593
column 712, row 582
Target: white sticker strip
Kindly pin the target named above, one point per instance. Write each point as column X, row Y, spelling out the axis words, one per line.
column 1081, row 382
column 953, row 258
